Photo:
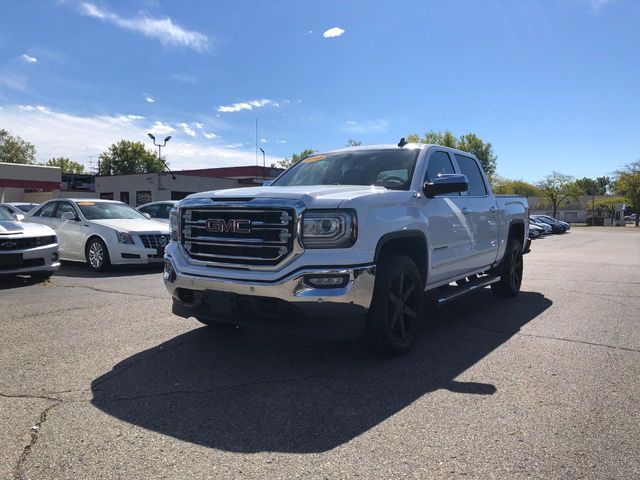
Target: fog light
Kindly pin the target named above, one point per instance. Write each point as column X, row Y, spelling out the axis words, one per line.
column 54, row 256
column 169, row 273
column 326, row 281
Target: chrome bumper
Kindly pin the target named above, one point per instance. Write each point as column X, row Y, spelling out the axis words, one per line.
column 289, row 303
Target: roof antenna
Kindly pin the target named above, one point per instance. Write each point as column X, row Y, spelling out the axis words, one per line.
column 402, row 142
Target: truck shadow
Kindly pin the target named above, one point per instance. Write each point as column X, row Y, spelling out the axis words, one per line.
column 252, row 391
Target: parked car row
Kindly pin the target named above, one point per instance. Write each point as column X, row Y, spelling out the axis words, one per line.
column 98, row 232
column 540, row 225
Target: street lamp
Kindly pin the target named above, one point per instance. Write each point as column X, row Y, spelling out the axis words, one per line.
column 264, row 168
column 160, row 145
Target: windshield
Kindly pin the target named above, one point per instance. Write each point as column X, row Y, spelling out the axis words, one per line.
column 390, row 168
column 108, row 211
column 26, row 207
column 5, row 215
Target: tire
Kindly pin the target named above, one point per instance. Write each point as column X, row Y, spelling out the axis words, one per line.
column 397, row 306
column 97, row 255
column 41, row 276
column 510, row 271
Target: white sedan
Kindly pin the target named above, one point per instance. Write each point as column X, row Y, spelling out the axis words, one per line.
column 102, row 232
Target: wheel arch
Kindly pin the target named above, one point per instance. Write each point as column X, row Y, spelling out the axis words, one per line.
column 86, row 245
column 412, row 243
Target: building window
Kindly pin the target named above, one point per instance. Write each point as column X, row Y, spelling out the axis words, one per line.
column 179, row 195
column 124, row 197
column 106, row 195
column 143, row 197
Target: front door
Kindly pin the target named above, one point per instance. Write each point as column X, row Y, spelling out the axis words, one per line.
column 449, row 231
column 71, row 233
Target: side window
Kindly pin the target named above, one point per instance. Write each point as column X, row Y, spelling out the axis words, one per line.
column 439, row 163
column 64, row 207
column 46, row 210
column 163, row 211
column 152, row 210
column 470, row 168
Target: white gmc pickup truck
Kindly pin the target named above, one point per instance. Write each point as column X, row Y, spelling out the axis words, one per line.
column 345, row 243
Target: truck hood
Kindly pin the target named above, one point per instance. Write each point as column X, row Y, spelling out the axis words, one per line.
column 133, row 225
column 313, row 196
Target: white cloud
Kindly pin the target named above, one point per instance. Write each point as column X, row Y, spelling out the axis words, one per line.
column 333, row 32
column 210, row 135
column 597, row 5
column 250, row 105
column 162, row 29
column 263, row 140
column 187, row 129
column 150, row 100
column 198, row 125
column 369, row 126
column 161, row 128
column 29, row 59
column 281, row 141
column 56, row 133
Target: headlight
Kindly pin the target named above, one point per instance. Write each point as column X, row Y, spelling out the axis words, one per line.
column 173, row 223
column 124, row 237
column 329, row 228
column 40, row 241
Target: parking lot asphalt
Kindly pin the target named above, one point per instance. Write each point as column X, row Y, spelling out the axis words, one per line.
column 99, row 380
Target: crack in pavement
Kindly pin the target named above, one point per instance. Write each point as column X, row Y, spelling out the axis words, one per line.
column 561, row 339
column 63, row 310
column 18, row 470
column 103, row 290
column 219, row 389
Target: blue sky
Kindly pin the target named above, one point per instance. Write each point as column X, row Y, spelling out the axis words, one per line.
column 553, row 84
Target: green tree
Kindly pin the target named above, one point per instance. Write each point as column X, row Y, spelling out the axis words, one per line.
column 353, row 143
column 296, row 157
column 469, row 143
column 126, row 157
column 557, row 187
column 505, row 186
column 14, row 149
column 627, row 184
column 66, row 165
column 589, row 186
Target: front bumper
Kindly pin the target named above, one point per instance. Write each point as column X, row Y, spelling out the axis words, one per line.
column 127, row 254
column 289, row 303
column 40, row 255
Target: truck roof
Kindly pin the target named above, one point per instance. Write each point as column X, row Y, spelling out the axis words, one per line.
column 408, row 146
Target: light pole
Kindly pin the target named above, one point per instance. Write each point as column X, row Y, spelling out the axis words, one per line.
column 264, row 167
column 160, row 145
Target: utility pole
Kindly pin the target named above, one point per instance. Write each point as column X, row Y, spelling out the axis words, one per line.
column 263, row 165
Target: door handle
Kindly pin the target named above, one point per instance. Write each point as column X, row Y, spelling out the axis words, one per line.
column 465, row 210
column 493, row 209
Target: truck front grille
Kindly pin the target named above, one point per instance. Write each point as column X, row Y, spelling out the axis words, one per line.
column 238, row 236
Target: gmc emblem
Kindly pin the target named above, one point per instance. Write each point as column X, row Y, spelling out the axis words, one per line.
column 219, row 225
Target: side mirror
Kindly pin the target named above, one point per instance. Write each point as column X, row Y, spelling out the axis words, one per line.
column 266, row 183
column 19, row 217
column 447, row 183
column 147, row 215
column 68, row 216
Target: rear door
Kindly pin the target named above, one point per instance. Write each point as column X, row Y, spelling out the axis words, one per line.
column 480, row 208
column 44, row 214
column 71, row 233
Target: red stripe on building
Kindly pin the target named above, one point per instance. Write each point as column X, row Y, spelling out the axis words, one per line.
column 30, row 184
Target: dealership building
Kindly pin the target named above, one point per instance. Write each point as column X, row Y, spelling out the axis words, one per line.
column 35, row 183
column 29, row 183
